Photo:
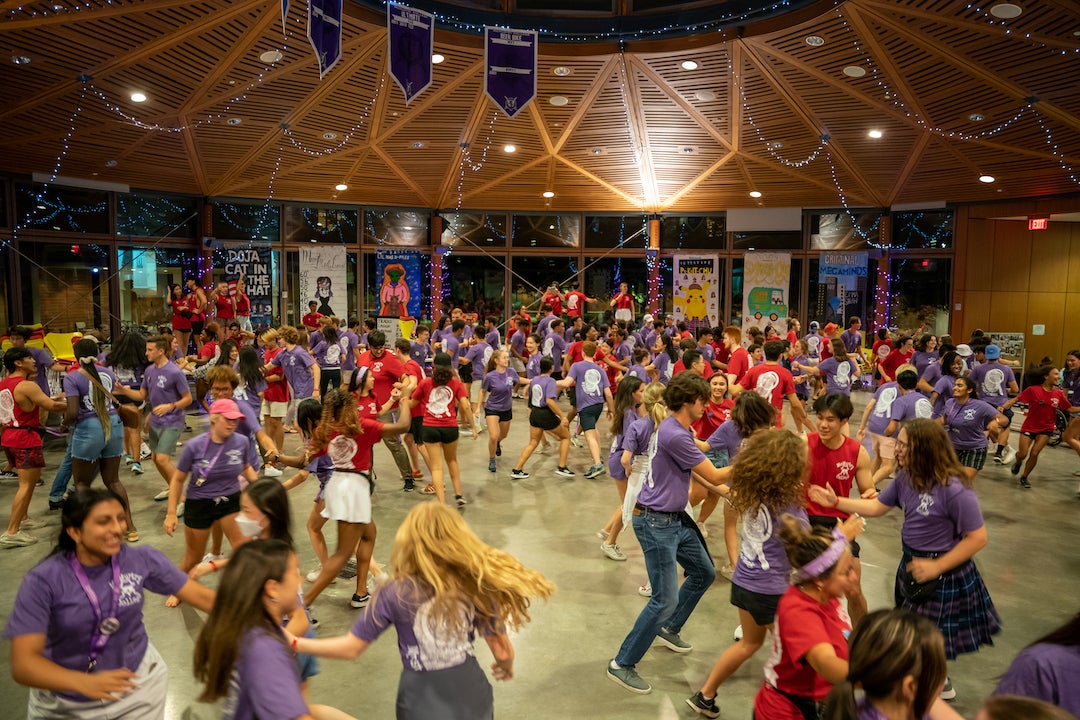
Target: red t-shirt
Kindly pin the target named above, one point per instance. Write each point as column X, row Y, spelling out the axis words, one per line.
column 209, row 349
column 678, row 367
column 1042, row 406
column 14, row 436
column 243, row 305
column 826, row 349
column 831, row 468
column 720, row 352
column 440, row 401
column 624, row 301
column 181, row 319
column 772, row 382
column 801, row 624
column 353, row 453
column 574, row 353
column 224, row 307
column 792, row 337
column 553, row 300
column 414, row 370
column 311, row 320
column 575, row 303
column 275, row 391
column 366, row 406
column 894, row 360
column 386, row 370
column 738, row 363
column 881, row 350
column 713, row 417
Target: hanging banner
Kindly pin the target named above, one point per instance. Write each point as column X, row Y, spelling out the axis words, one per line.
column 695, row 279
column 399, row 275
column 411, row 36
column 322, row 280
column 765, row 290
column 843, row 276
column 510, row 68
column 284, row 14
column 253, row 265
column 324, row 32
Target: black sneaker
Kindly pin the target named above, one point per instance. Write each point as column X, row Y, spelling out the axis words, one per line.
column 314, row 623
column 564, row 471
column 516, row 474
column 1024, row 483
column 410, row 485
column 498, row 449
column 53, row 505
column 706, row 707
column 359, row 601
column 1015, row 469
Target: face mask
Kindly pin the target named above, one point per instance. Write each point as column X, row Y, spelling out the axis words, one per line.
column 248, row 528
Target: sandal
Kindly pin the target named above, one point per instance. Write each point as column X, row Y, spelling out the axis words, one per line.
column 418, row 473
column 132, row 536
column 428, row 490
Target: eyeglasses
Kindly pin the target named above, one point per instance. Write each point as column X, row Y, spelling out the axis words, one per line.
column 901, row 445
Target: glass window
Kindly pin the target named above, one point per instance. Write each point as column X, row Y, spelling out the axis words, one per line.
column 145, row 214
column 612, row 231
column 402, row 228
column 602, row 277
column 736, row 291
column 474, row 230
column 320, row 224
column 145, row 275
column 5, row 275
column 843, row 231
column 369, row 287
column 475, row 283
column 63, row 209
column 239, row 221
column 835, row 298
column 693, row 231
column 533, row 274
column 768, row 240
column 922, row 229
column 919, row 292
column 66, row 287
column 293, row 306
column 547, row 231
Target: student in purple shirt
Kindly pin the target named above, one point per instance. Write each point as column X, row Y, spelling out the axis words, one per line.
column 455, row 589
column 553, row 346
column 839, row 371
column 628, row 408
column 43, row 358
column 475, row 358
column 592, row 391
column 967, row 419
column 352, row 340
column 533, row 356
column 301, row 371
column 668, row 536
column 491, row 334
column 545, row 415
column 420, row 349
column 90, row 583
column 852, row 338
column 910, row 405
column 1047, row 669
column 497, row 397
column 637, row 369
column 328, row 353
column 996, row 383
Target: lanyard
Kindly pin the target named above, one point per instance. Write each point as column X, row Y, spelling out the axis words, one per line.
column 201, row 477
column 106, row 626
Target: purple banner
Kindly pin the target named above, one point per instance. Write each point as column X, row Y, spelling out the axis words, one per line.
column 284, row 14
column 324, row 32
column 412, row 35
column 510, row 68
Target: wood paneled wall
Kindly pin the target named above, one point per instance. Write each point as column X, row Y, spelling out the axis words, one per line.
column 1008, row 278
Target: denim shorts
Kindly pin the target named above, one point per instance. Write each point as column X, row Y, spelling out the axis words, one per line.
column 163, row 439
column 88, row 440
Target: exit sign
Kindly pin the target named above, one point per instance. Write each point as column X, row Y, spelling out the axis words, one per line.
column 1038, row 223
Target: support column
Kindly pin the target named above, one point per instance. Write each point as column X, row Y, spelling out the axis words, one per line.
column 436, row 269
column 882, row 294
column 652, row 262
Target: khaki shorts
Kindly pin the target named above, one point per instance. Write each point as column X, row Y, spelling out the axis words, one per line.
column 886, row 445
column 274, row 409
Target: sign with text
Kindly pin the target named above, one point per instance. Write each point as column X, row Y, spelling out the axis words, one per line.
column 411, row 37
column 252, row 264
column 766, row 277
column 510, row 68
column 322, row 279
column 695, row 280
column 398, row 273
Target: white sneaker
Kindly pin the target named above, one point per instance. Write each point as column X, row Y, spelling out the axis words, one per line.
column 30, row 524
column 645, row 590
column 1008, row 456
column 19, row 539
column 314, row 575
column 271, row 471
column 180, row 509
column 211, row 557
column 163, row 495
column 612, row 551
column 948, row 692
column 144, row 452
column 575, row 440
column 737, row 634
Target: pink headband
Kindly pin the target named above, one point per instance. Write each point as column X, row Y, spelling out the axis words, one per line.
column 825, row 560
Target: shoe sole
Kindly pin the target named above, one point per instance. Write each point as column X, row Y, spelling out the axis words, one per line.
column 673, row 647
column 702, row 711
column 625, row 686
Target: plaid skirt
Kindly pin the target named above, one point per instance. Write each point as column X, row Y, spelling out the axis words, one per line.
column 961, row 608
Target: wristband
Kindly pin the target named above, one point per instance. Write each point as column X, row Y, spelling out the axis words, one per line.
column 213, row 565
column 295, row 641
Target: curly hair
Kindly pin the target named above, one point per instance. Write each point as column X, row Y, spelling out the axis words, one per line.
column 340, row 415
column 769, row 471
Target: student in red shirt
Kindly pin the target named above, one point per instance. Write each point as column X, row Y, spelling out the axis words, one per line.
column 413, row 375
column 312, row 317
column 553, row 299
column 901, row 354
column 793, row 329
column 882, row 347
column 774, row 382
column 575, row 301
column 623, row 303
column 275, row 403
column 1043, row 401
column 717, row 412
column 387, row 371
column 224, row 304
column 739, row 359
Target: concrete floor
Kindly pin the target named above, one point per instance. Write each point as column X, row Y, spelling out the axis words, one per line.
column 550, row 524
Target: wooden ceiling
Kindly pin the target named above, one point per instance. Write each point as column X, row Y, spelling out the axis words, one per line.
column 638, row 132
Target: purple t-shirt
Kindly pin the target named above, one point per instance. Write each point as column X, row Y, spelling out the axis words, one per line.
column 675, row 455
column 838, row 375
column 615, row 468
column 966, row 423
column 349, row 344
column 1046, row 672
column 129, row 377
column 43, row 360
column 249, row 396
column 590, row 381
column 992, row 380
column 922, row 360
column 78, row 385
column 813, row 345
column 450, row 345
column 726, row 437
column 664, row 366
column 801, row 389
column 944, row 388
column 219, row 463
column 623, row 353
column 423, row 644
column 935, row 521
column 478, row 355
column 638, row 370
column 543, row 324
column 532, row 365
column 553, row 346
column 763, row 565
column 500, row 387
column 493, row 338
column 517, row 342
column 931, row 375
column 296, row 364
column 329, row 355
column 852, row 340
column 636, row 437
column 164, row 385
column 883, row 401
column 266, row 680
column 51, row 602
column 420, row 352
column 910, row 406
column 542, row 387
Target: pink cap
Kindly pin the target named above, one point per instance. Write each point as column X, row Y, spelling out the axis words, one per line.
column 226, row 409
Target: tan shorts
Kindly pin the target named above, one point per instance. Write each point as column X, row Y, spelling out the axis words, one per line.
column 886, row 445
column 274, row 409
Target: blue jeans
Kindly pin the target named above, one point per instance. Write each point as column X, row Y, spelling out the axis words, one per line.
column 666, row 544
column 63, row 477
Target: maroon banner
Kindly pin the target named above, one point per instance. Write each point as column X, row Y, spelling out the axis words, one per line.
column 510, row 68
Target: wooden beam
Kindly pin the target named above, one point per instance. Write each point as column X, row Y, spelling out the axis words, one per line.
column 403, row 176
column 638, row 129
column 679, row 100
column 503, row 178
column 884, row 59
column 921, row 143
column 453, row 170
column 432, row 98
column 734, row 97
column 194, row 158
column 538, row 123
column 689, row 187
column 636, row 202
column 96, row 14
column 597, row 87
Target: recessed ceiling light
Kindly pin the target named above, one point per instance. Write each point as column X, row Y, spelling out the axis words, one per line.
column 689, row 65
column 234, row 121
column 138, row 97
column 755, row 193
column 687, row 150
column 855, row 71
column 437, row 58
column 111, row 163
column 1006, row 11
column 509, row 148
column 549, row 194
column 271, row 56
column 876, row 134
column 986, row 178
column 20, row 59
column 419, row 144
column 598, row 151
column 1076, row 33
column 815, row 40
column 561, row 70
column 705, row 95
column 329, row 136
column 558, row 100
column 976, row 117
column 341, row 187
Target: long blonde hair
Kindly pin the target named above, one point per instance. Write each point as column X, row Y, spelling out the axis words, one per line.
column 447, row 563
column 652, row 399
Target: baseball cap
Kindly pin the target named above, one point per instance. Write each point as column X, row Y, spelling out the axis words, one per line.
column 993, row 352
column 647, row 319
column 814, row 326
column 226, row 409
column 963, row 350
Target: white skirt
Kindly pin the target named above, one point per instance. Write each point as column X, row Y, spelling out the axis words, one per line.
column 347, row 498
column 624, row 314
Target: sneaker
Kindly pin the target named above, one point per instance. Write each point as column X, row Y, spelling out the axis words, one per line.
column 31, row 524
column 55, row 505
column 460, row 500
column 595, row 471
column 704, row 706
column 612, row 551
column 575, row 440
column 948, row 692
column 672, row 641
column 163, row 495
column 628, row 678
column 518, row 475
column 602, row 534
column 1024, row 483
column 144, row 452
column 409, row 485
column 1015, row 469
column 211, row 557
column 127, row 459
column 491, row 465
column 19, row 539
column 998, row 459
column 271, row 471
column 359, row 601
column 314, row 622
column 1008, row 456
column 498, row 449
column 737, row 635
column 180, row 509
column 480, row 428
column 9, row 475
column 132, row 536
column 645, row 590
column 314, row 574
column 136, row 468
column 564, row 471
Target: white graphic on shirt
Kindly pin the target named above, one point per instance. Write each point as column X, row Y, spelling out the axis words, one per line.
column 926, row 501
column 843, row 470
column 487, row 354
column 757, row 528
column 87, row 400
column 341, row 450
column 667, row 370
column 7, row 408
column 439, row 400
column 130, row 589
column 240, row 393
column 843, row 375
column 883, row 405
column 442, row 644
column 333, row 354
column 538, row 399
column 549, row 344
column 812, row 344
column 235, row 457
column 161, row 381
column 923, row 408
column 571, row 302
column 883, row 352
column 766, row 383
column 590, row 383
column 376, row 367
column 969, row 414
column 993, row 382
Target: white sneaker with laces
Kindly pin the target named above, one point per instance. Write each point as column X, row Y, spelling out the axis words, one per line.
column 211, row 557
column 1008, row 456
column 612, row 551
column 144, row 452
column 163, row 495
column 271, row 471
column 19, row 539
column 645, row 590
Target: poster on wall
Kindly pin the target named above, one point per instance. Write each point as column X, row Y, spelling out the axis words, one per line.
column 398, row 273
column 695, row 280
column 843, row 277
column 765, row 290
column 252, row 264
column 322, row 279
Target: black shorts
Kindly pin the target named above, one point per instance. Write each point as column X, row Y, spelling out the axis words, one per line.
column 543, row 418
column 829, row 523
column 416, row 429
column 1034, row 435
column 444, row 435
column 200, row 514
column 196, row 328
column 760, row 606
column 503, row 415
column 571, row 395
column 464, row 372
column 589, row 415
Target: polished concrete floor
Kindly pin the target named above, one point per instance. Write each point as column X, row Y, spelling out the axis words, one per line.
column 1031, row 567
